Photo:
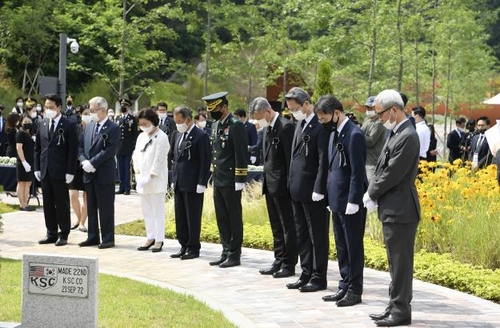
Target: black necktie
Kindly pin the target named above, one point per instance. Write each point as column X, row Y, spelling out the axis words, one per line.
column 302, row 124
column 96, row 132
column 392, row 134
column 52, row 129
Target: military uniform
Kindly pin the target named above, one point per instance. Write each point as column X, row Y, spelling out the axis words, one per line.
column 229, row 167
column 126, row 146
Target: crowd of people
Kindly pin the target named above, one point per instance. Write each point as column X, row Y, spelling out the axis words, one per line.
column 317, row 160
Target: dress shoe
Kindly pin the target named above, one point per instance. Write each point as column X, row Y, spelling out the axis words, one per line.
column 349, row 299
column 106, row 245
column 47, row 240
column 190, row 255
column 390, row 321
column 229, row 263
column 178, row 254
column 61, row 242
column 380, row 316
column 146, row 247
column 126, row 192
column 27, row 209
column 335, row 297
column 283, row 273
column 270, row 270
column 75, row 226
column 83, row 229
column 220, row 260
column 157, row 249
column 87, row 243
column 309, row 288
column 119, row 192
column 296, row 285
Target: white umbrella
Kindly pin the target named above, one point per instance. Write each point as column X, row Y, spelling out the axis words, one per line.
column 493, row 101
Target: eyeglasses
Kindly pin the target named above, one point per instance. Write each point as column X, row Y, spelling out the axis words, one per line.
column 383, row 111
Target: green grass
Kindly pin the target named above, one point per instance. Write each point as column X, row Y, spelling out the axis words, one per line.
column 7, row 208
column 122, row 303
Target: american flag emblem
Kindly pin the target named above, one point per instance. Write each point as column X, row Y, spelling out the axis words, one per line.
column 37, row 271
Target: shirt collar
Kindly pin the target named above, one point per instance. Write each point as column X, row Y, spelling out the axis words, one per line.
column 341, row 126
column 275, row 118
column 396, row 128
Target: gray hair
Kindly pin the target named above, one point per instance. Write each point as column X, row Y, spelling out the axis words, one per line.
column 299, row 95
column 184, row 111
column 99, row 102
column 259, row 104
column 389, row 98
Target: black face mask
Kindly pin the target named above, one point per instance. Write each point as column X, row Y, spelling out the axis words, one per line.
column 216, row 115
column 27, row 126
column 69, row 103
column 124, row 109
column 331, row 125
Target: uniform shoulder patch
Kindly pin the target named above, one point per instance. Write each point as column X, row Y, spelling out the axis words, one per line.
column 234, row 120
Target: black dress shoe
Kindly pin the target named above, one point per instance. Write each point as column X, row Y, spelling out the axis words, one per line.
column 220, row 260
column 349, row 299
column 75, row 226
column 106, row 245
column 190, row 255
column 178, row 254
column 229, row 263
column 311, row 287
column 283, row 273
column 296, row 285
column 47, row 240
column 119, row 192
column 390, row 321
column 157, row 249
column 87, row 243
column 269, row 271
column 61, row 242
column 145, row 248
column 380, row 316
column 126, row 192
column 335, row 297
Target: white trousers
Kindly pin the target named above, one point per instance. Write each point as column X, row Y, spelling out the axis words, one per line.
column 153, row 209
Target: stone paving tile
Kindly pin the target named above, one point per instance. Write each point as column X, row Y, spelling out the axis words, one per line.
column 244, row 296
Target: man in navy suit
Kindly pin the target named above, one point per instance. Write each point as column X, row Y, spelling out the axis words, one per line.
column 241, row 115
column 346, row 185
column 55, row 165
column 97, row 150
column 307, row 180
column 3, row 135
column 277, row 149
column 190, row 152
column 480, row 154
column 456, row 140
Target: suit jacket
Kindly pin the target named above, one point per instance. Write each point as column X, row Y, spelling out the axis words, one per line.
column 309, row 164
column 251, row 133
column 277, row 153
column 393, row 183
column 453, row 143
column 168, row 126
column 347, row 181
column 100, row 151
column 128, row 134
column 3, row 136
column 56, row 157
column 484, row 155
column 191, row 160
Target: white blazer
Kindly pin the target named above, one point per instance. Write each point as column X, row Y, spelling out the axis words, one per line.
column 150, row 157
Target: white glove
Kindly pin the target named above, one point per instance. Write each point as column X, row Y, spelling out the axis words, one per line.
column 369, row 203
column 88, row 167
column 38, row 175
column 33, row 138
column 239, row 186
column 200, row 189
column 351, row 209
column 317, row 197
column 144, row 181
column 69, row 178
column 27, row 166
column 253, row 159
column 172, row 185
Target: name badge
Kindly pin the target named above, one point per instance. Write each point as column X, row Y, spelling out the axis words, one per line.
column 475, row 159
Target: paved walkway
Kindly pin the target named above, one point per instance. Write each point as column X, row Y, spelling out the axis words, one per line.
column 244, row 296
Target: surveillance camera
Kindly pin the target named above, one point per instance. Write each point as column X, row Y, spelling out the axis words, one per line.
column 74, row 47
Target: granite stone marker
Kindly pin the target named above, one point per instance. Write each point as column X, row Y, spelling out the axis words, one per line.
column 59, row 291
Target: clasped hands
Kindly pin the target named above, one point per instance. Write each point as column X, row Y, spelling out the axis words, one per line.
column 88, row 167
column 369, row 203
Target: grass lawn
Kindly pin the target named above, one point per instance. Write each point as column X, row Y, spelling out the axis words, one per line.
column 122, row 303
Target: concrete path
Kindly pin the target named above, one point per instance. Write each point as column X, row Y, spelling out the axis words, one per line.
column 244, row 296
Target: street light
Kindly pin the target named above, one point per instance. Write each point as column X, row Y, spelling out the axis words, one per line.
column 74, row 47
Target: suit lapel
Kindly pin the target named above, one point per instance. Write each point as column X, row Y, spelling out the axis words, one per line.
column 269, row 137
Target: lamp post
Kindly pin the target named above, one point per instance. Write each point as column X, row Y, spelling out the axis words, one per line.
column 74, row 47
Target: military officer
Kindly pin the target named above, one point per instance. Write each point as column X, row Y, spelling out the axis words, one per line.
column 128, row 136
column 69, row 112
column 229, row 160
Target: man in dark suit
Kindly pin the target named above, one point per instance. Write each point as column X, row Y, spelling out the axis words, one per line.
column 229, row 159
column 241, row 115
column 307, row 181
column 55, row 165
column 3, row 135
column 346, row 185
column 456, row 139
column 97, row 150
column 393, row 192
column 126, row 146
column 480, row 154
column 277, row 149
column 167, row 123
column 190, row 172
column 69, row 111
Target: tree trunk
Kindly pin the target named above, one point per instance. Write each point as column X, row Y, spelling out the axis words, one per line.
column 400, row 41
column 417, row 87
column 122, row 52
column 373, row 48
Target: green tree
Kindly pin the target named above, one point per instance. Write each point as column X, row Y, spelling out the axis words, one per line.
column 324, row 84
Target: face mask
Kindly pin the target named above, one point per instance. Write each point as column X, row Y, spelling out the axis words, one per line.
column 370, row 113
column 69, row 103
column 216, row 115
column 124, row 110
column 182, row 127
column 146, row 129
column 94, row 117
column 27, row 126
column 263, row 123
column 38, row 108
column 33, row 114
column 20, row 104
column 86, row 119
column 299, row 115
column 202, row 124
column 50, row 113
column 331, row 125
column 162, row 115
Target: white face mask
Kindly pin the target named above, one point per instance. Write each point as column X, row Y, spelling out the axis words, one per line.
column 86, row 119
column 202, row 124
column 182, row 127
column 146, row 129
column 370, row 113
column 162, row 115
column 33, row 114
column 38, row 108
column 94, row 117
column 20, row 104
column 263, row 123
column 299, row 115
column 50, row 113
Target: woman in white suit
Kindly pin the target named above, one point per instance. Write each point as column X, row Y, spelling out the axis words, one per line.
column 150, row 159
